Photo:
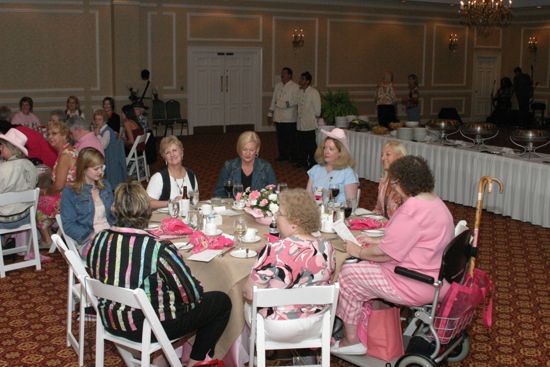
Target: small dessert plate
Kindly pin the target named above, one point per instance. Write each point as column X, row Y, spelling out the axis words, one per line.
column 254, row 240
column 218, row 232
column 242, row 253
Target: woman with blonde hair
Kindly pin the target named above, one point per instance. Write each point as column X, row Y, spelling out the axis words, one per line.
column 176, row 296
column 247, row 169
column 169, row 182
column 334, row 168
column 388, row 199
column 296, row 260
column 86, row 204
column 63, row 173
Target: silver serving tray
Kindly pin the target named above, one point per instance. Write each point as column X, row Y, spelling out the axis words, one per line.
column 531, row 135
column 479, row 128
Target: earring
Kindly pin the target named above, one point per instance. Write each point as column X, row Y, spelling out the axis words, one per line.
column 165, row 162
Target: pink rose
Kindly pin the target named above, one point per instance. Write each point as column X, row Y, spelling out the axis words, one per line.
column 263, row 202
column 238, row 196
column 254, row 195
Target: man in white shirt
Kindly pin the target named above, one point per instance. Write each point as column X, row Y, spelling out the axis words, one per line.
column 309, row 111
column 284, row 112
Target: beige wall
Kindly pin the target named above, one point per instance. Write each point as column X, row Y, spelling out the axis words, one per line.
column 96, row 48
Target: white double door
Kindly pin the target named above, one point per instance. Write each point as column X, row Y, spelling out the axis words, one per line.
column 224, row 86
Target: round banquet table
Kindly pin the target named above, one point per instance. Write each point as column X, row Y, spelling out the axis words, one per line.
column 229, row 274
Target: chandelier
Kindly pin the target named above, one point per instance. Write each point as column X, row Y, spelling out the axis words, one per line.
column 485, row 14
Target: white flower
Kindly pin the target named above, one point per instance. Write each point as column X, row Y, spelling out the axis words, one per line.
column 272, row 197
column 273, row 208
column 253, row 202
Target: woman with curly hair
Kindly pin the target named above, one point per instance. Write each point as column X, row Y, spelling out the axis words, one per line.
column 415, row 238
column 297, row 260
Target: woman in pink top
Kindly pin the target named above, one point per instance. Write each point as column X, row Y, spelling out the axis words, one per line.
column 25, row 116
column 388, row 199
column 415, row 238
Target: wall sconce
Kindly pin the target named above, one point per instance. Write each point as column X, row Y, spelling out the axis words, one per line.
column 297, row 38
column 453, row 42
column 532, row 44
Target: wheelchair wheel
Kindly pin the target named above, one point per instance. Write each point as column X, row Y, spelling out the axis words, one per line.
column 461, row 351
column 415, row 360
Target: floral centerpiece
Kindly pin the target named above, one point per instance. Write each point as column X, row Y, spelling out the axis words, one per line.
column 261, row 204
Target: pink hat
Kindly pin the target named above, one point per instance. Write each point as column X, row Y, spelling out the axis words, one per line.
column 337, row 134
column 16, row 138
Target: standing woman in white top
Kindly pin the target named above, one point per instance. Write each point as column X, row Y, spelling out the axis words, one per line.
column 284, row 112
column 168, row 184
column 309, row 111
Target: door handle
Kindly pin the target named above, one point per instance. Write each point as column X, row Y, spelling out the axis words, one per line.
column 227, row 83
column 221, row 83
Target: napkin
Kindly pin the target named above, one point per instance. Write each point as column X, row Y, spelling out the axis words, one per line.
column 365, row 223
column 201, row 242
column 171, row 227
column 256, row 213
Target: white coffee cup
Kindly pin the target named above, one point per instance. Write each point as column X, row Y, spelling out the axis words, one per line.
column 206, row 209
column 210, row 229
column 250, row 234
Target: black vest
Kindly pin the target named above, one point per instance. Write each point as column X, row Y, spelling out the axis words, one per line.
column 166, row 185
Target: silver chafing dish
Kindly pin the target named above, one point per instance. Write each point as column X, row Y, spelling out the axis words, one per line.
column 443, row 128
column 529, row 137
column 479, row 132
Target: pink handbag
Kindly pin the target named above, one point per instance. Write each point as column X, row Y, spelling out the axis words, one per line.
column 382, row 335
column 457, row 308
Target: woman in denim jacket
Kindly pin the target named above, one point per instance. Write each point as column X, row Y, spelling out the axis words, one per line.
column 248, row 169
column 86, row 204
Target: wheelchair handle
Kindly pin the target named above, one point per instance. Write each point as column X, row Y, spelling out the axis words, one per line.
column 414, row 275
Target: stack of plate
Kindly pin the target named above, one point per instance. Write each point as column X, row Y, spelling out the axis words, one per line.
column 405, row 133
column 341, row 122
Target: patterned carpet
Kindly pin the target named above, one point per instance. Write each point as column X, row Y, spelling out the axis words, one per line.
column 515, row 254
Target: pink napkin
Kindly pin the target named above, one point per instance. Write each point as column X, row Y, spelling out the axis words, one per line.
column 256, row 213
column 172, row 226
column 201, row 242
column 365, row 223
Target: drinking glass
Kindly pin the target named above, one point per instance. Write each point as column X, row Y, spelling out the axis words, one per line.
column 325, row 197
column 195, row 198
column 239, row 229
column 282, row 186
column 228, row 187
column 334, row 191
column 174, row 208
column 236, row 189
column 348, row 208
column 193, row 218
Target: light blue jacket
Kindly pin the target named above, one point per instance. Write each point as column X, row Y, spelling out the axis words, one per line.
column 77, row 211
column 262, row 175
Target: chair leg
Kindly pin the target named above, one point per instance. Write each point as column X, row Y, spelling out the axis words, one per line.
column 325, row 341
column 260, row 343
column 34, row 244
column 70, row 306
column 99, row 344
column 81, row 324
column 2, row 270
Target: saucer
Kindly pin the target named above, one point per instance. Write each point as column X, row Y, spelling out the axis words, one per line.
column 241, row 253
column 331, row 231
column 237, row 207
column 163, row 210
column 374, row 233
column 183, row 245
column 153, row 226
column 218, row 232
column 375, row 217
column 255, row 239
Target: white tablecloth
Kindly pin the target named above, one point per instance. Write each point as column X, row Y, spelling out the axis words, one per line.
column 457, row 172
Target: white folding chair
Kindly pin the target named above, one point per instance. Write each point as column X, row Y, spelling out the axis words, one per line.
column 26, row 197
column 136, row 162
column 77, row 275
column 273, row 297
column 71, row 244
column 136, row 299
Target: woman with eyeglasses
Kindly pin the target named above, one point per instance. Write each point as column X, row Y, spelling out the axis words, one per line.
column 415, row 238
column 389, row 200
column 86, row 204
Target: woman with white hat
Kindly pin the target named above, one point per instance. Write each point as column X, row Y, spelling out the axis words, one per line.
column 334, row 168
column 17, row 173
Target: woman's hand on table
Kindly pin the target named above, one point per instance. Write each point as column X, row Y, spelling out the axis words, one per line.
column 365, row 239
column 352, row 249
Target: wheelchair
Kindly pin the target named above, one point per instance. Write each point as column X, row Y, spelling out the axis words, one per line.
column 430, row 340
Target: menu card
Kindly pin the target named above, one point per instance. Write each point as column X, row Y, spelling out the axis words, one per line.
column 205, row 256
column 343, row 231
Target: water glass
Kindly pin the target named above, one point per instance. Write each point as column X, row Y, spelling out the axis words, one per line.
column 195, row 198
column 193, row 218
column 174, row 208
column 282, row 186
column 228, row 187
column 239, row 228
column 237, row 188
